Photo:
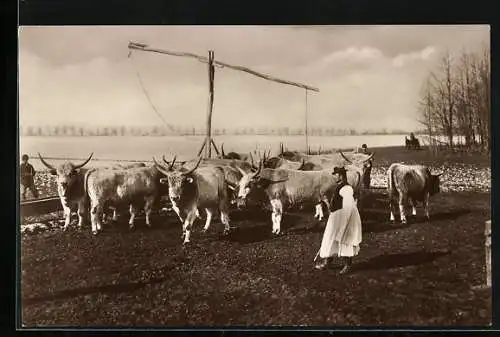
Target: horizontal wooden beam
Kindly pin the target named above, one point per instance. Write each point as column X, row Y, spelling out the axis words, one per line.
column 143, row 47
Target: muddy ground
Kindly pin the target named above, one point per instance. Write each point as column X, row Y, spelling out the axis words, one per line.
column 415, row 274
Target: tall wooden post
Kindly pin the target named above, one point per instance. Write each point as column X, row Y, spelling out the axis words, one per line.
column 211, row 73
column 307, row 138
column 487, row 244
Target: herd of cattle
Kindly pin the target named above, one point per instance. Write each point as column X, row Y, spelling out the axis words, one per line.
column 287, row 181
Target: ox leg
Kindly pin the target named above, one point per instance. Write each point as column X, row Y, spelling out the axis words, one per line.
column 96, row 216
column 208, row 220
column 319, row 212
column 426, row 202
column 81, row 213
column 177, row 211
column 224, row 218
column 188, row 224
column 148, row 207
column 115, row 215
column 402, row 202
column 67, row 217
column 133, row 214
column 277, row 215
column 413, row 208
column 391, row 209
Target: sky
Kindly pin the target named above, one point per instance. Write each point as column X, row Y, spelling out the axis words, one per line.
column 369, row 77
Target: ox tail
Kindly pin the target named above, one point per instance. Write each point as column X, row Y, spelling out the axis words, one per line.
column 86, row 187
column 390, row 181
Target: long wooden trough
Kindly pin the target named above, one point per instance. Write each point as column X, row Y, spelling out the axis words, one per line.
column 53, row 204
column 40, row 206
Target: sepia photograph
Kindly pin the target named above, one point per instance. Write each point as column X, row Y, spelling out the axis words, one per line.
column 254, row 176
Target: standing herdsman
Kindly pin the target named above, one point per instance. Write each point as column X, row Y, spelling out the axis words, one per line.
column 342, row 234
column 27, row 175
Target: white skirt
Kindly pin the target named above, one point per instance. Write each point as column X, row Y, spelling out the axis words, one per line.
column 342, row 234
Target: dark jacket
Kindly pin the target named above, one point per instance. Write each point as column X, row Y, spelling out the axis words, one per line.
column 27, row 173
column 336, row 203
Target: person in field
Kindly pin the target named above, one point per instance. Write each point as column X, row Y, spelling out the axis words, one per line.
column 27, row 177
column 342, row 235
column 363, row 149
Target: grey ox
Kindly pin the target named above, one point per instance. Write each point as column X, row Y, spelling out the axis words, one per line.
column 287, row 189
column 230, row 167
column 409, row 184
column 70, row 180
column 189, row 190
column 135, row 187
column 119, row 166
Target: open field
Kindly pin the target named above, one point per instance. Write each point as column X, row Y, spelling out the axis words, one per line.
column 417, row 274
column 143, row 148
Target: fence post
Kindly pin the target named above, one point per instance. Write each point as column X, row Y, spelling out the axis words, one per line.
column 487, row 246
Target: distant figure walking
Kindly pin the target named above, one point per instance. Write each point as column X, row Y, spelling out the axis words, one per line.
column 368, row 166
column 412, row 143
column 27, row 175
column 342, row 234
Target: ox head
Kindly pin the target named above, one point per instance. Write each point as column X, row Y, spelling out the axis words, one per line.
column 179, row 181
column 364, row 164
column 66, row 175
column 247, row 183
column 434, row 183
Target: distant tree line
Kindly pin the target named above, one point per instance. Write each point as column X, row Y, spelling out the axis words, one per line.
column 71, row 130
column 456, row 100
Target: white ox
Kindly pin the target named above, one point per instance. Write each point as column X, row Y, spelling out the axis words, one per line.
column 134, row 187
column 409, row 184
column 286, row 189
column 189, row 190
column 70, row 180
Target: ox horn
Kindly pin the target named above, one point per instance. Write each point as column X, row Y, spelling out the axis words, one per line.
column 302, row 164
column 171, row 166
column 369, row 157
column 258, row 170
column 85, row 162
column 50, row 167
column 345, row 158
column 251, row 159
column 159, row 165
column 164, row 160
column 222, row 150
column 193, row 169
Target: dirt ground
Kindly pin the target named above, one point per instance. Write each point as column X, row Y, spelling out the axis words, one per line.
column 415, row 274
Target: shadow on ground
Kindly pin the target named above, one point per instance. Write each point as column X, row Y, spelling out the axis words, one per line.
column 399, row 260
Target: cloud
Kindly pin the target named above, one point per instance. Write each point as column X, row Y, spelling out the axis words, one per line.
column 367, row 75
column 403, row 59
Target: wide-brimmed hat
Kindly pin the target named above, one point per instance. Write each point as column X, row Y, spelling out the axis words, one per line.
column 339, row 170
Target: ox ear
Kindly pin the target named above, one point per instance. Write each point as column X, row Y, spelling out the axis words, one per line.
column 163, row 180
column 231, row 186
column 190, row 180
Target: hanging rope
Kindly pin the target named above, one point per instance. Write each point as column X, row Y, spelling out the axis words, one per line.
column 170, row 127
column 307, row 136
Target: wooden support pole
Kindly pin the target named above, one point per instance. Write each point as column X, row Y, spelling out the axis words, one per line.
column 144, row 47
column 487, row 250
column 487, row 246
column 202, row 147
column 215, row 148
column 211, row 71
column 307, row 138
